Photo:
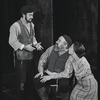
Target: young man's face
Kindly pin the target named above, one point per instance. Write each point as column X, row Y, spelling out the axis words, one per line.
column 29, row 17
column 61, row 43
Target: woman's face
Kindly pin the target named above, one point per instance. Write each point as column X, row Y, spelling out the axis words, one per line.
column 71, row 50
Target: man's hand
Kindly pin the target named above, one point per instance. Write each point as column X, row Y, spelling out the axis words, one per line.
column 39, row 74
column 38, row 46
column 29, row 47
column 45, row 78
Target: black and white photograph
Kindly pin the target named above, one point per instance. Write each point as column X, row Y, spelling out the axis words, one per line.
column 49, row 50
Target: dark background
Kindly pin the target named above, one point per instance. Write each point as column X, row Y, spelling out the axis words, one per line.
column 76, row 18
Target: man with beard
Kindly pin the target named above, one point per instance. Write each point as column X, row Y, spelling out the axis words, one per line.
column 53, row 61
column 22, row 40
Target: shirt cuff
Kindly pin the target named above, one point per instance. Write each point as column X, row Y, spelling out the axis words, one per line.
column 22, row 46
column 35, row 43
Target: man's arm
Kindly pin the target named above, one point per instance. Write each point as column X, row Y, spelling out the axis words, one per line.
column 43, row 61
column 34, row 38
column 67, row 73
column 13, row 41
column 35, row 43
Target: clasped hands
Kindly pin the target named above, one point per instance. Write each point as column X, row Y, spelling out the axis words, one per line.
column 29, row 47
column 44, row 78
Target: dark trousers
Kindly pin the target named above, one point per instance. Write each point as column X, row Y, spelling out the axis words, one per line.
column 63, row 87
column 23, row 74
column 23, row 69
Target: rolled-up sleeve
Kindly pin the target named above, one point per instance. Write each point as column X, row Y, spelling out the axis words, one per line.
column 44, row 59
column 13, row 41
column 67, row 73
column 34, row 38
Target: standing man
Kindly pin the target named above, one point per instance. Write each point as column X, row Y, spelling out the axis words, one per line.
column 53, row 61
column 22, row 40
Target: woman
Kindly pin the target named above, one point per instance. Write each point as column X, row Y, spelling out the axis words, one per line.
column 86, row 87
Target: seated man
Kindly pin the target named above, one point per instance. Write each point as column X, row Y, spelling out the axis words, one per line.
column 86, row 87
column 53, row 61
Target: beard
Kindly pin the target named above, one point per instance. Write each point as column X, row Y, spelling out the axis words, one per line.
column 59, row 48
column 28, row 20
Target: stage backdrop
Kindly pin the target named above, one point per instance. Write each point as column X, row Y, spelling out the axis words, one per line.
column 76, row 18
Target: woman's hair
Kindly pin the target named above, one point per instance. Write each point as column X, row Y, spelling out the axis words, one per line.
column 79, row 49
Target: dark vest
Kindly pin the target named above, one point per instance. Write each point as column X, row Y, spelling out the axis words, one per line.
column 56, row 63
column 25, row 37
